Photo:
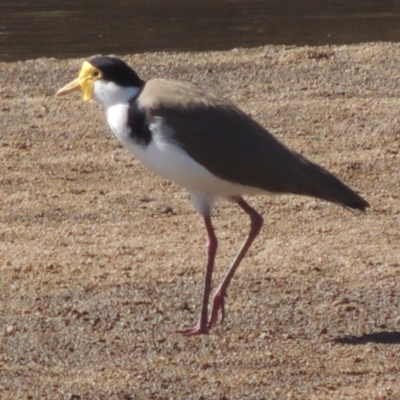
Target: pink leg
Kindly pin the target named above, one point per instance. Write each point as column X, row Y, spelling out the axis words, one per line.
column 212, row 244
column 219, row 296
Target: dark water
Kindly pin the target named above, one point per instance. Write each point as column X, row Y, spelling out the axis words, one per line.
column 67, row 28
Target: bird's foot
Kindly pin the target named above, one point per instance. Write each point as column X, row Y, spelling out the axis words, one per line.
column 218, row 304
column 202, row 329
column 196, row 330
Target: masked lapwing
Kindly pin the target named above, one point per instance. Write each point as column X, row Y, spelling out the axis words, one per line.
column 207, row 145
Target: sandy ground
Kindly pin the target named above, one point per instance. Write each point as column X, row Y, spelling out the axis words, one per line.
column 96, row 271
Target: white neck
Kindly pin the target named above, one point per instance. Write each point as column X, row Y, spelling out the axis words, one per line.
column 109, row 94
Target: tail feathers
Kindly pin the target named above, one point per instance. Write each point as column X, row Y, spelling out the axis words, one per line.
column 359, row 204
column 320, row 183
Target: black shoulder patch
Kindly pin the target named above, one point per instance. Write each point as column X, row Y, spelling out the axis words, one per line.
column 137, row 121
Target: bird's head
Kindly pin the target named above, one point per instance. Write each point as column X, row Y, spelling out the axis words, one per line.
column 106, row 80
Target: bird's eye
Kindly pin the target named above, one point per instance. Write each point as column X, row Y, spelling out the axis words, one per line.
column 96, row 73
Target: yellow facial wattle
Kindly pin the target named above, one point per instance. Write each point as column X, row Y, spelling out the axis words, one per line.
column 84, row 82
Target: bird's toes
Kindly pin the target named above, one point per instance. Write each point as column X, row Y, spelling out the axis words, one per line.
column 196, row 330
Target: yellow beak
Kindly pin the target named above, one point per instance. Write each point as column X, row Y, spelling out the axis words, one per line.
column 84, row 82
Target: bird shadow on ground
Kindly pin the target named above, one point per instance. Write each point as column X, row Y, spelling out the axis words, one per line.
column 383, row 337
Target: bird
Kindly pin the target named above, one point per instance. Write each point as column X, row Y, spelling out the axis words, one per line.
column 210, row 147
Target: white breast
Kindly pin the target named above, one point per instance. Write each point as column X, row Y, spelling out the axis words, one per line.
column 165, row 157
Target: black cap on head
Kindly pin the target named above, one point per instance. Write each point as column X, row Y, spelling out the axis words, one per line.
column 117, row 71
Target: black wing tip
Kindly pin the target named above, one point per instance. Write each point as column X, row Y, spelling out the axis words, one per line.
column 359, row 204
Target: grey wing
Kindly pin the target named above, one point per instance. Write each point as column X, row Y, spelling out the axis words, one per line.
column 236, row 148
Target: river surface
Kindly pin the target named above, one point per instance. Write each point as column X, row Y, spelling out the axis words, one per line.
column 72, row 28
